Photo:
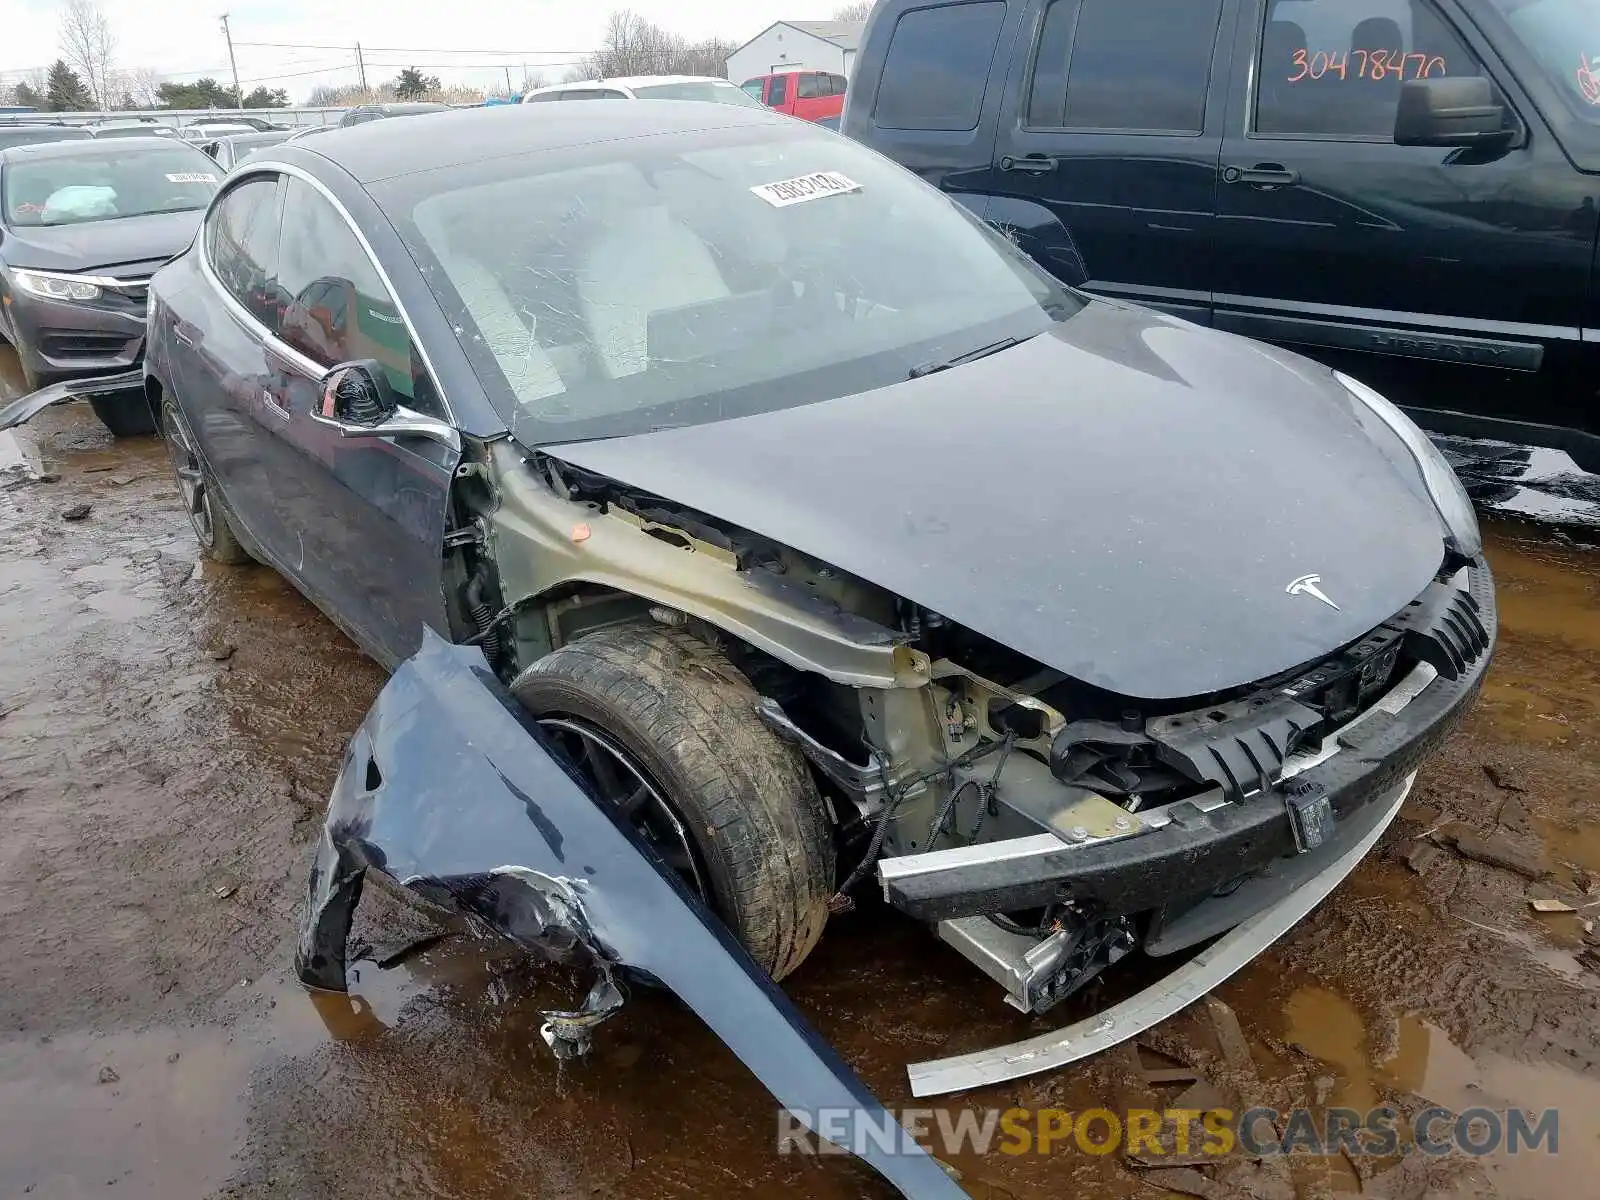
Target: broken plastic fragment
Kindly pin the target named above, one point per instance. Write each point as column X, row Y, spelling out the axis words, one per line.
column 448, row 780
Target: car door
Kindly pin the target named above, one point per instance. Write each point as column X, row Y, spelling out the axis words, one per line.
column 1445, row 273
column 1117, row 112
column 369, row 512
column 780, row 93
column 810, row 90
column 929, row 100
column 228, row 387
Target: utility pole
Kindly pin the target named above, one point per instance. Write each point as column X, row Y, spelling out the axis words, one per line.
column 238, row 96
column 361, row 67
column 508, row 78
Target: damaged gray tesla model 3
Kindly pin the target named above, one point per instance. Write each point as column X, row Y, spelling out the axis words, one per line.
column 749, row 525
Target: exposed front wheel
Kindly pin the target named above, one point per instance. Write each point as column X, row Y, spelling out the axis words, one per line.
column 665, row 727
column 212, row 527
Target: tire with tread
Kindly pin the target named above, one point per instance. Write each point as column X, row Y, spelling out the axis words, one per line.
column 687, row 716
column 224, row 545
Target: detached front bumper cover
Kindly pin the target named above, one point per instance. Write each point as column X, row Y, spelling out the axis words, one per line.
column 20, row 411
column 447, row 789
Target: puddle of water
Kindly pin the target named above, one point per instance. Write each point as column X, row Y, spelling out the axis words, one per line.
column 1423, row 1061
column 1547, row 591
column 1577, row 843
column 1546, row 679
column 164, row 1124
column 1428, row 1063
column 163, row 1112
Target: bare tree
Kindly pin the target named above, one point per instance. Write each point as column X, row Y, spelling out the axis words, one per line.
column 142, row 85
column 858, row 10
column 88, row 44
column 635, row 46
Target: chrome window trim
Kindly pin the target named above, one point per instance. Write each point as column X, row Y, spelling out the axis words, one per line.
column 268, row 167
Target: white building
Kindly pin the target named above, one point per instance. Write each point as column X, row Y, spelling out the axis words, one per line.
column 796, row 46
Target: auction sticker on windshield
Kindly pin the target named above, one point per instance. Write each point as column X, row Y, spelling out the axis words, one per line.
column 191, row 177
column 805, row 187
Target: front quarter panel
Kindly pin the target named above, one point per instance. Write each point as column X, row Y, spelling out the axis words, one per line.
column 446, row 790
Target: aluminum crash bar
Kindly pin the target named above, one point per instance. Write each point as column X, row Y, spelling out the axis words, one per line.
column 1155, row 1004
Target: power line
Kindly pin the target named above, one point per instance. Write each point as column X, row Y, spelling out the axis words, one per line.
column 406, row 49
column 330, row 69
column 477, row 66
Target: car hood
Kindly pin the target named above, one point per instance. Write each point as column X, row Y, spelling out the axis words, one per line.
column 142, row 242
column 1127, row 498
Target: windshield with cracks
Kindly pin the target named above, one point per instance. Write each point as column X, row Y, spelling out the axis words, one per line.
column 674, row 280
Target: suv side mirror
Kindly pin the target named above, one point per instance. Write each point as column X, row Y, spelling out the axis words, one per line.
column 357, row 393
column 1449, row 112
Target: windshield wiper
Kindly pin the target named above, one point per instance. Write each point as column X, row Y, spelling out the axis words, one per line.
column 918, row 372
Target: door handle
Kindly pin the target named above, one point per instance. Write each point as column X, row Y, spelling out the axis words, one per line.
column 1032, row 164
column 1262, row 175
column 177, row 332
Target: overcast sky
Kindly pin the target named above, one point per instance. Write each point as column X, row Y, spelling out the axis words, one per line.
column 183, row 38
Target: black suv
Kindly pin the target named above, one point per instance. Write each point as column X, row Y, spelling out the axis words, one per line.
column 1405, row 189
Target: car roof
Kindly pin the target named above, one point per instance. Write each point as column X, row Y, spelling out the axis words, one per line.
column 84, row 148
column 120, row 129
column 261, row 137
column 629, row 81
column 381, row 150
column 71, row 131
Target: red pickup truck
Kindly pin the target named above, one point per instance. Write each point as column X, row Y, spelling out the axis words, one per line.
column 809, row 95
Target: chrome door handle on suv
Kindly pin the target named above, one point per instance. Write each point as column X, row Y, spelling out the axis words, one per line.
column 1262, row 174
column 1032, row 164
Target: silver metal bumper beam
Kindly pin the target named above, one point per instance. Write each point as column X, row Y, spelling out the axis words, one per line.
column 1158, row 1002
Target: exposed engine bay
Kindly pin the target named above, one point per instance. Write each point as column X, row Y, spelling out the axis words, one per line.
column 930, row 741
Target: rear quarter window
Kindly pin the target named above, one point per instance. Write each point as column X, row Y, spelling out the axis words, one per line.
column 937, row 66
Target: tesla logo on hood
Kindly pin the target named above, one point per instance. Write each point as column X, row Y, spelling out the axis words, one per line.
column 1306, row 585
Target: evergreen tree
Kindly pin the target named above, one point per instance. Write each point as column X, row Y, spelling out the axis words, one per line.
column 64, row 90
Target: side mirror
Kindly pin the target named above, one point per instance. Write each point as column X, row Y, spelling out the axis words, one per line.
column 357, row 393
column 355, row 398
column 1449, row 112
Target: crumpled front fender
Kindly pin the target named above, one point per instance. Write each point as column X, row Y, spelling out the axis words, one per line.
column 448, row 789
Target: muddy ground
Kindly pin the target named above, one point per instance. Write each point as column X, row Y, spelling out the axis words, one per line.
column 168, row 732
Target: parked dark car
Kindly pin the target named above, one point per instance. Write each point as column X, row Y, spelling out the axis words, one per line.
column 28, row 135
column 799, row 517
column 1405, row 189
column 230, row 151
column 363, row 113
column 83, row 224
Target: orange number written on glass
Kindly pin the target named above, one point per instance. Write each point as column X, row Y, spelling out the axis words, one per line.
column 1372, row 64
